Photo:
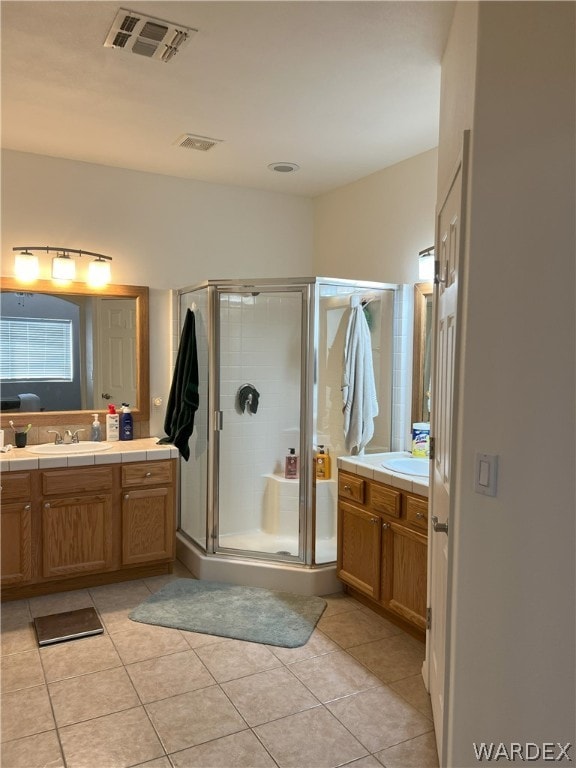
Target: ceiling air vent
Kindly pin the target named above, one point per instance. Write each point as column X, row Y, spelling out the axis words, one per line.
column 154, row 38
column 201, row 143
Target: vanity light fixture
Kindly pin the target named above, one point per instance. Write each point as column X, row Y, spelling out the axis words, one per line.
column 426, row 265
column 27, row 266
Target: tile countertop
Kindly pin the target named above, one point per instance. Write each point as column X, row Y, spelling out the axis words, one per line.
column 370, row 466
column 144, row 449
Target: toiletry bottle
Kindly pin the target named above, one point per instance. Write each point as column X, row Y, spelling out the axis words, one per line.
column 421, row 439
column 323, row 469
column 112, row 424
column 96, row 432
column 126, row 423
column 291, row 465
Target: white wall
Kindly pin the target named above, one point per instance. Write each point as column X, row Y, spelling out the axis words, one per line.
column 374, row 228
column 457, row 89
column 161, row 231
column 513, row 638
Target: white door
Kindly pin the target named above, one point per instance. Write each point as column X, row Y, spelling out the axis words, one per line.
column 449, row 251
column 115, row 368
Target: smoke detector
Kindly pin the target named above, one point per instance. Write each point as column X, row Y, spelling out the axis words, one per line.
column 146, row 36
column 201, row 143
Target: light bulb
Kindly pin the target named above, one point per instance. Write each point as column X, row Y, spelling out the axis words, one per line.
column 26, row 267
column 426, row 267
column 98, row 273
column 63, row 268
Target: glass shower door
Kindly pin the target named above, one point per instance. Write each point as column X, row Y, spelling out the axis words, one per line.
column 259, row 408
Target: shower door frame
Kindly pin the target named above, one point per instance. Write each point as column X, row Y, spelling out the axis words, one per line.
column 307, row 525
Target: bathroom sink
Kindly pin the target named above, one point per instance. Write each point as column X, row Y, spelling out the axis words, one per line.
column 408, row 465
column 84, row 446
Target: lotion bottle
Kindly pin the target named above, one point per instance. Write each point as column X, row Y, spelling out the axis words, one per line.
column 126, row 423
column 291, row 465
column 112, row 424
column 96, row 431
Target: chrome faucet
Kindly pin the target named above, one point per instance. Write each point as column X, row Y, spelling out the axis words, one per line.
column 58, row 439
column 69, row 436
column 72, row 437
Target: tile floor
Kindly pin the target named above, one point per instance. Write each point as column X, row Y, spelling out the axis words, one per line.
column 142, row 695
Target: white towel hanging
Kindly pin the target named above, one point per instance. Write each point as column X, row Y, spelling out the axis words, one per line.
column 360, row 404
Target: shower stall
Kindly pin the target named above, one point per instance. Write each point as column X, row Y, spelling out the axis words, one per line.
column 282, row 342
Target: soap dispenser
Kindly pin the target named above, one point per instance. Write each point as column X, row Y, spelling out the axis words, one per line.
column 96, row 432
column 291, row 465
column 323, row 462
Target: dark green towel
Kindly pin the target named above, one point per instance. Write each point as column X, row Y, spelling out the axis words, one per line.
column 183, row 399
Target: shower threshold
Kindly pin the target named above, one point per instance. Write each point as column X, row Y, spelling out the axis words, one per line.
column 272, row 544
column 279, row 575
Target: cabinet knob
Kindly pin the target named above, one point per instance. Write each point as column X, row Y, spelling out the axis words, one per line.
column 148, row 474
column 347, row 488
column 385, row 526
column 126, row 495
column 27, row 506
column 420, row 515
column 374, row 520
column 47, row 505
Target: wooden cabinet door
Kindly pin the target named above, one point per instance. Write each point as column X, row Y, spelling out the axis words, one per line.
column 404, row 564
column 359, row 544
column 77, row 535
column 147, row 525
column 16, row 539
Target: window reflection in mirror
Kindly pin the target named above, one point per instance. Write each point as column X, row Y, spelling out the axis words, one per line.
column 72, row 350
column 422, row 352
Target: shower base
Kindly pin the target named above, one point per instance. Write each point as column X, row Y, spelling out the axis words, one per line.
column 319, row 580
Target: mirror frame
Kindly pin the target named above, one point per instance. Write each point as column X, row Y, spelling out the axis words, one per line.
column 421, row 293
column 138, row 292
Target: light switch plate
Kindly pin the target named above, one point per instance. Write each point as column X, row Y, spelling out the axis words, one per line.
column 486, row 474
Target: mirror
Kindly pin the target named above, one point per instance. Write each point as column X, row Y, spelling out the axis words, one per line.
column 99, row 343
column 422, row 352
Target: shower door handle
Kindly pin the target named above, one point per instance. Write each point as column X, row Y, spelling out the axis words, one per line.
column 218, row 421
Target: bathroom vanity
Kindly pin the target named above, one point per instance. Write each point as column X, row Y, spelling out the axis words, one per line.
column 73, row 521
column 383, row 539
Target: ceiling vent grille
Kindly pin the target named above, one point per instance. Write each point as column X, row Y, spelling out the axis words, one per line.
column 154, row 38
column 200, row 143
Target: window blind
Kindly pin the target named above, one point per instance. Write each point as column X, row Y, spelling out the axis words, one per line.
column 35, row 349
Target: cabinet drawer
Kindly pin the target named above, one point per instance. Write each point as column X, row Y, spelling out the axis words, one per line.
column 84, row 480
column 16, row 486
column 386, row 500
column 146, row 473
column 417, row 511
column 350, row 487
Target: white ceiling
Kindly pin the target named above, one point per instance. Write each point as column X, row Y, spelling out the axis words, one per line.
column 343, row 89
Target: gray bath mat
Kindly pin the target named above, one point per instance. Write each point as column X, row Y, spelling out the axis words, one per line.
column 228, row 610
